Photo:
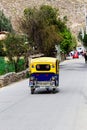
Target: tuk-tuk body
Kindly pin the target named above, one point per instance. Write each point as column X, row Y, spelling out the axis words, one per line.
column 44, row 72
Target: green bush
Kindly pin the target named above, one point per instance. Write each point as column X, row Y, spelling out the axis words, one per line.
column 6, row 67
column 21, row 65
column 2, row 66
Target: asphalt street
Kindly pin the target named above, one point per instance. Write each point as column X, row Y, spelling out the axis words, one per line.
column 64, row 110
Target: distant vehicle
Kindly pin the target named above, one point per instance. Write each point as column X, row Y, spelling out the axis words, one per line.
column 80, row 50
column 44, row 72
column 69, row 56
column 71, row 53
column 76, row 55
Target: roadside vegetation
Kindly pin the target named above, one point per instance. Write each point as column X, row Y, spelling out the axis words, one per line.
column 41, row 29
column 85, row 41
column 5, row 23
column 45, row 29
column 83, row 38
column 6, row 67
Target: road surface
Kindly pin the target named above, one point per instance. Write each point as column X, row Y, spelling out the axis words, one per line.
column 64, row 110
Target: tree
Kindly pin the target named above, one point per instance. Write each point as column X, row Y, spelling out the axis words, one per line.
column 45, row 29
column 48, row 39
column 69, row 41
column 40, row 27
column 1, row 48
column 5, row 23
column 85, row 40
column 15, row 46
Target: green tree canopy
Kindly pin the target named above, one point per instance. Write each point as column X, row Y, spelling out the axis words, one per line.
column 15, row 47
column 45, row 29
column 5, row 23
column 40, row 26
column 69, row 41
column 85, row 40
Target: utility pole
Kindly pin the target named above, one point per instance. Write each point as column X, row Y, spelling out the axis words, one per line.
column 58, row 56
column 82, row 33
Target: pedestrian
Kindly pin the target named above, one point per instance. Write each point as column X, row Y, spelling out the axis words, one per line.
column 85, row 56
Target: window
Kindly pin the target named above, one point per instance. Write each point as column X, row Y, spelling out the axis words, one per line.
column 44, row 67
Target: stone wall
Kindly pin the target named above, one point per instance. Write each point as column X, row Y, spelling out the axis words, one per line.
column 12, row 77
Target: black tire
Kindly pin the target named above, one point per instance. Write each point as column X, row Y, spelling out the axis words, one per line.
column 47, row 89
column 54, row 90
column 86, row 61
column 32, row 91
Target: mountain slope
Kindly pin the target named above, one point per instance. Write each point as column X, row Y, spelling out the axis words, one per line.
column 73, row 9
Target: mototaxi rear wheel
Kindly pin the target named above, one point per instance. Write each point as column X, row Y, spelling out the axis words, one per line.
column 32, row 90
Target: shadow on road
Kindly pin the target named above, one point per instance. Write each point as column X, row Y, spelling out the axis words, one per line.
column 44, row 91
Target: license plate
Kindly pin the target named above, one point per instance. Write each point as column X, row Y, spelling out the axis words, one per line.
column 43, row 83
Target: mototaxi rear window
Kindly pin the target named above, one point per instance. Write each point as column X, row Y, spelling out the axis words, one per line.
column 43, row 67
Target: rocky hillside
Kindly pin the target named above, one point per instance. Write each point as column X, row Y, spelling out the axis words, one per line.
column 73, row 9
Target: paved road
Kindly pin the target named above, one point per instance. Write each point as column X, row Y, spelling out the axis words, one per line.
column 64, row 110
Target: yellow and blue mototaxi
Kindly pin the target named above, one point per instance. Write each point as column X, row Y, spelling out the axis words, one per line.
column 44, row 72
